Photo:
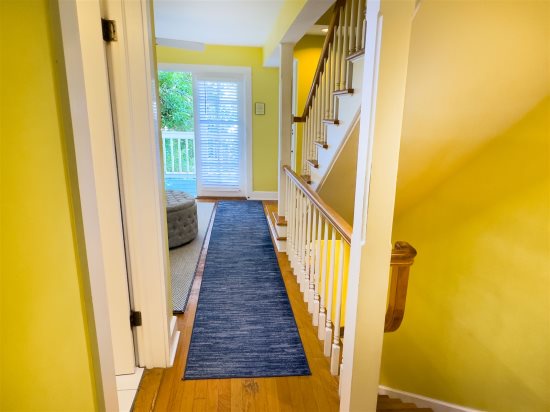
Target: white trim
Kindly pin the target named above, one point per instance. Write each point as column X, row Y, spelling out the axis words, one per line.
column 133, row 81
column 382, row 101
column 83, row 89
column 204, row 68
column 175, row 337
column 424, row 401
column 286, row 58
column 262, row 195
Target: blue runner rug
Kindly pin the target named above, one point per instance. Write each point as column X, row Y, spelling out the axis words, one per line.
column 244, row 325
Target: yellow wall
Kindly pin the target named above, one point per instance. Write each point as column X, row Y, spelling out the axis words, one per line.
column 287, row 15
column 477, row 324
column 307, row 52
column 265, row 88
column 44, row 352
column 338, row 189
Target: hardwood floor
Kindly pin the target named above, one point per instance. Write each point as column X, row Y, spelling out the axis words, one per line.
column 164, row 389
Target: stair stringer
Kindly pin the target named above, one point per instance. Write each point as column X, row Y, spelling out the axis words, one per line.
column 348, row 108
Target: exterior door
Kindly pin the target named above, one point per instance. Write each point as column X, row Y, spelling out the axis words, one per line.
column 220, row 132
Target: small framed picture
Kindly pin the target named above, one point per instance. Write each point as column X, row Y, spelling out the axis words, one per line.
column 259, row 108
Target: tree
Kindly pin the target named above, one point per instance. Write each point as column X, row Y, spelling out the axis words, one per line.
column 176, row 101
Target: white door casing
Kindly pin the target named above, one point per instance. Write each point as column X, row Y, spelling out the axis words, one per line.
column 133, row 79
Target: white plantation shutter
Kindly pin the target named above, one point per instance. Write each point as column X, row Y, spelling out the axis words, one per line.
column 220, row 133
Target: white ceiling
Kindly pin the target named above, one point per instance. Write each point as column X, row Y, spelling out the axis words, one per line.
column 221, row 22
column 475, row 68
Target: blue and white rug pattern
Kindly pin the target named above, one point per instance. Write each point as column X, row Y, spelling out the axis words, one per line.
column 244, row 325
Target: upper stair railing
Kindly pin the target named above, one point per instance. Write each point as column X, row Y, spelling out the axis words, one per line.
column 318, row 248
column 345, row 40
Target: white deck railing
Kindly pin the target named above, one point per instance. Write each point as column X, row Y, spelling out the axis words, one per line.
column 179, row 152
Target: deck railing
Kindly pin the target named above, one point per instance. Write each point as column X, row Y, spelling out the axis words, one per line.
column 179, row 152
column 318, row 248
column 345, row 40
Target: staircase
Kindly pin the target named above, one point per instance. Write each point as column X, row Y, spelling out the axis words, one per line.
column 316, row 238
column 334, row 99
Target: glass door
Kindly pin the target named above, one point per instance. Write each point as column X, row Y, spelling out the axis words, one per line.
column 220, row 134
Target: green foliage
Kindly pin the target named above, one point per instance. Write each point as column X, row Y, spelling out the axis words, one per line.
column 176, row 101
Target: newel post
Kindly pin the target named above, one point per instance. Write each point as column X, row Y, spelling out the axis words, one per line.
column 388, row 32
column 286, row 51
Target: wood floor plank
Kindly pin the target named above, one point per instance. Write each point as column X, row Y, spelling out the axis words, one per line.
column 145, row 399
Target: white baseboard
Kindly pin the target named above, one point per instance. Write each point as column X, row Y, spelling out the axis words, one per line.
column 424, row 401
column 174, row 339
column 263, row 196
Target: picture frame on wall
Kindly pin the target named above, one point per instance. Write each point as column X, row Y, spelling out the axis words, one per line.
column 259, row 108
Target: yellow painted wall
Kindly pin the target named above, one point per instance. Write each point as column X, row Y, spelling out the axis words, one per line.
column 307, row 52
column 338, row 189
column 287, row 15
column 476, row 330
column 45, row 359
column 265, row 88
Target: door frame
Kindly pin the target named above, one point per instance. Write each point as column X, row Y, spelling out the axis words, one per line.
column 246, row 73
column 84, row 95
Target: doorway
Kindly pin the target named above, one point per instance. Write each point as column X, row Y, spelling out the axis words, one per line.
column 177, row 129
column 205, row 129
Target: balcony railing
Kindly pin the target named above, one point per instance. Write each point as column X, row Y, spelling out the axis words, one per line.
column 179, row 152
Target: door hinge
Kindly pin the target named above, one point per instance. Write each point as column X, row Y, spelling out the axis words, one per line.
column 135, row 318
column 108, row 27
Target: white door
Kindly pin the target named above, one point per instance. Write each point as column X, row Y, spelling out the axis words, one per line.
column 118, row 291
column 220, row 131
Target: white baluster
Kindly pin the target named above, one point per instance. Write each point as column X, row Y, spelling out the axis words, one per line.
column 363, row 25
column 289, row 210
column 290, row 228
column 332, row 80
column 343, row 69
column 317, row 272
column 173, row 154
column 337, row 53
column 353, row 26
column 311, row 291
column 335, row 357
column 307, row 250
column 330, row 295
column 329, row 83
column 359, row 26
column 324, row 262
column 304, row 282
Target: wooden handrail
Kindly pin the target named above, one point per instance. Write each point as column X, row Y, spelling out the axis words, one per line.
column 402, row 258
column 343, row 227
column 324, row 53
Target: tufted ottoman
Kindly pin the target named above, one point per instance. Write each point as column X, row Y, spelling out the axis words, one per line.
column 181, row 216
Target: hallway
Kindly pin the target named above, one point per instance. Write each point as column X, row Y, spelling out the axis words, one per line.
column 164, row 389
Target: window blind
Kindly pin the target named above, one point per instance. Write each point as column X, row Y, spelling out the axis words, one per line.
column 220, row 129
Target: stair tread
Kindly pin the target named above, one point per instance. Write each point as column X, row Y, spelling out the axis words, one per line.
column 324, row 145
column 405, row 410
column 331, row 121
column 395, row 406
column 342, row 91
column 307, row 178
column 355, row 55
column 279, row 220
column 313, row 162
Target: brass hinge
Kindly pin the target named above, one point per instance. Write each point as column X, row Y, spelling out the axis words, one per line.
column 135, row 318
column 108, row 27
